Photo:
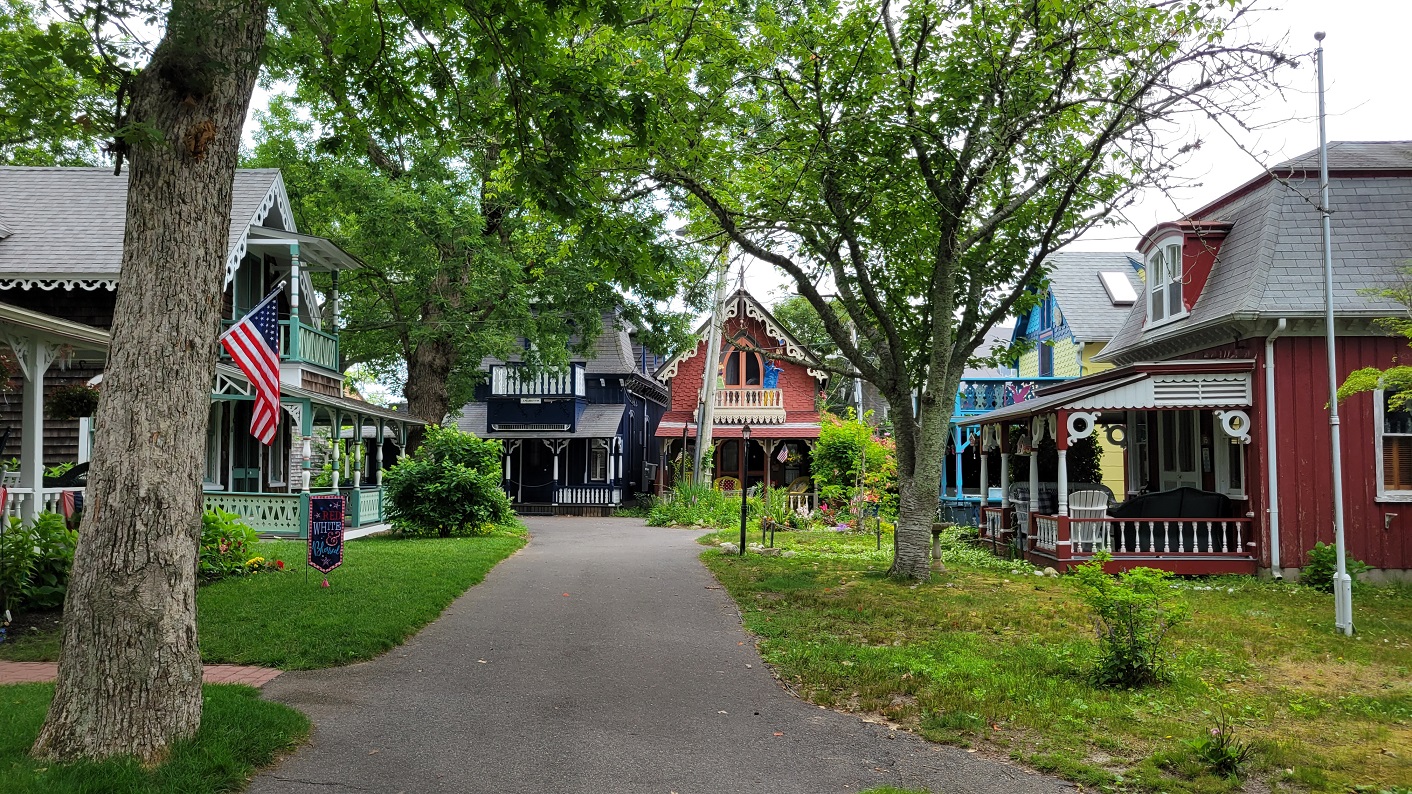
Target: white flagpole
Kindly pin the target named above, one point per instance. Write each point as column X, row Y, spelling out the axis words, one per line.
column 1343, row 584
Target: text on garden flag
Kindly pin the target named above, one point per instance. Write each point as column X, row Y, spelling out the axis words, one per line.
column 325, row 531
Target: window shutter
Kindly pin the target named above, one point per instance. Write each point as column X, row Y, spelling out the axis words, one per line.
column 1397, row 463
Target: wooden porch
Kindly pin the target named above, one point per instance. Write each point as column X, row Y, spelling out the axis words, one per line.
column 1194, row 546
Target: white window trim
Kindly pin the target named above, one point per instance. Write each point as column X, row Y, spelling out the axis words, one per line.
column 1383, row 494
column 1175, row 239
column 596, row 445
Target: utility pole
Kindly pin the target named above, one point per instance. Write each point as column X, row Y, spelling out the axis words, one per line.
column 1343, row 584
column 709, row 366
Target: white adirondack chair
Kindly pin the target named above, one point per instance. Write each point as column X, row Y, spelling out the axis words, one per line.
column 1088, row 536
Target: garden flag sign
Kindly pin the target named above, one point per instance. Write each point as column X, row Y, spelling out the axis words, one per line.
column 253, row 343
column 325, row 532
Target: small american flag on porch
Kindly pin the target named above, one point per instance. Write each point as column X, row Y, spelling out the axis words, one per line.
column 253, row 343
column 70, row 502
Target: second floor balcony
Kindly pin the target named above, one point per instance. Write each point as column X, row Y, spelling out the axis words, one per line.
column 749, row 406
column 302, row 343
column 512, row 380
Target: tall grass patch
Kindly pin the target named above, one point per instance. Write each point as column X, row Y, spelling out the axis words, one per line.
column 996, row 656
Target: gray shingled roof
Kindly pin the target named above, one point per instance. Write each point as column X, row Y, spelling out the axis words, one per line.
column 1074, row 281
column 597, row 421
column 613, row 352
column 1271, row 264
column 1356, row 156
column 69, row 221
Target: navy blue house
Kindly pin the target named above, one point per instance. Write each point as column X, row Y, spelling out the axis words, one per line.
column 576, row 442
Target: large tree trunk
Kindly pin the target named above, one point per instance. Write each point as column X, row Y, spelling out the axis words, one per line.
column 130, row 671
column 920, row 458
column 428, row 371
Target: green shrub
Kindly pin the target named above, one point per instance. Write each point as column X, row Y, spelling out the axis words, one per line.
column 690, row 504
column 1133, row 614
column 845, row 446
column 53, row 548
column 226, row 545
column 449, row 486
column 16, row 565
column 35, row 561
column 1319, row 573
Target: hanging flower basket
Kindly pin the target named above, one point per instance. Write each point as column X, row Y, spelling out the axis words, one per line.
column 71, row 402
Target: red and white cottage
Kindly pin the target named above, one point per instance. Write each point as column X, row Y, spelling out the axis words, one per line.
column 1218, row 397
column 774, row 396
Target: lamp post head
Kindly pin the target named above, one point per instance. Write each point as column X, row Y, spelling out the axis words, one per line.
column 745, row 432
column 1319, row 36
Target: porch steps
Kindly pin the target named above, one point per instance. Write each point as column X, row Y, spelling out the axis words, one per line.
column 540, row 509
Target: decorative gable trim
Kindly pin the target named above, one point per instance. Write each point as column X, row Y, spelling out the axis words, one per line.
column 754, row 311
column 68, row 284
column 276, row 199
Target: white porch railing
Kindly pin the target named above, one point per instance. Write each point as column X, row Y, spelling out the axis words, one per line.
column 588, row 495
column 1046, row 532
column 16, row 499
column 992, row 518
column 802, row 503
column 1176, row 536
column 752, row 406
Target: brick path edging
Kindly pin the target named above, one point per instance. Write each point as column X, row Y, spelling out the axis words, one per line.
column 42, row 672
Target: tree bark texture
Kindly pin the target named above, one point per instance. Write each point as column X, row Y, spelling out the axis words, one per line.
column 429, row 366
column 130, row 670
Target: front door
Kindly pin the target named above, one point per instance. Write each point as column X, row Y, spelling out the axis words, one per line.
column 1177, row 449
column 245, row 450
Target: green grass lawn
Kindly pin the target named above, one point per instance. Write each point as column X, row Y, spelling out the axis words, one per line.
column 986, row 658
column 386, row 590
column 239, row 733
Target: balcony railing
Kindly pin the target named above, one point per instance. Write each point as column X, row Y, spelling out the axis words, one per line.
column 313, row 346
column 750, row 406
column 510, row 380
column 308, row 345
column 982, row 395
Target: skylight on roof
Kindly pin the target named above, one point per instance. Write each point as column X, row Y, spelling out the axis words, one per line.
column 1120, row 290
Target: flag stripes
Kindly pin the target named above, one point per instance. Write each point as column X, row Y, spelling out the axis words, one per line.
column 253, row 343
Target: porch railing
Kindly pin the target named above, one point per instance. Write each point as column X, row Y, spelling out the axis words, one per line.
column 287, row 514
column 588, row 495
column 1046, row 532
column 16, row 500
column 267, row 513
column 1161, row 535
column 992, row 522
column 803, row 503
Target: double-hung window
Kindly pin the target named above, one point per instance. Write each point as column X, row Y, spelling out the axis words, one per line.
column 1394, row 446
column 1164, row 283
column 598, row 461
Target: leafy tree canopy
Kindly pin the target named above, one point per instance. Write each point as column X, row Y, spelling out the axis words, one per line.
column 54, row 100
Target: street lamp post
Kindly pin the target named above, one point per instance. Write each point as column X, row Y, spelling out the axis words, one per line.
column 744, row 443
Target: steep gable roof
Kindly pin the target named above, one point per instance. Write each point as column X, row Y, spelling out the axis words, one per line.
column 1271, row 264
column 68, row 223
column 742, row 303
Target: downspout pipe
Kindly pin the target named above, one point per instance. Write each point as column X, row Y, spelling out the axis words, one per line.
column 1271, row 465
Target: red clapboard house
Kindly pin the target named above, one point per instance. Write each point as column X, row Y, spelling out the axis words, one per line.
column 774, row 396
column 1218, row 396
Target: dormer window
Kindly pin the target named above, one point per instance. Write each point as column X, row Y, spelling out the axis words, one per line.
column 1164, row 283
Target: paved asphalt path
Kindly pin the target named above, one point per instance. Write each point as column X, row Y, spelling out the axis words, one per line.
column 600, row 659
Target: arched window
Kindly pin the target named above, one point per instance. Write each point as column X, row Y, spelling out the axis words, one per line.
column 743, row 369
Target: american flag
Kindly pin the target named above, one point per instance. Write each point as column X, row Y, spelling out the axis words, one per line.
column 254, row 345
column 69, row 503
